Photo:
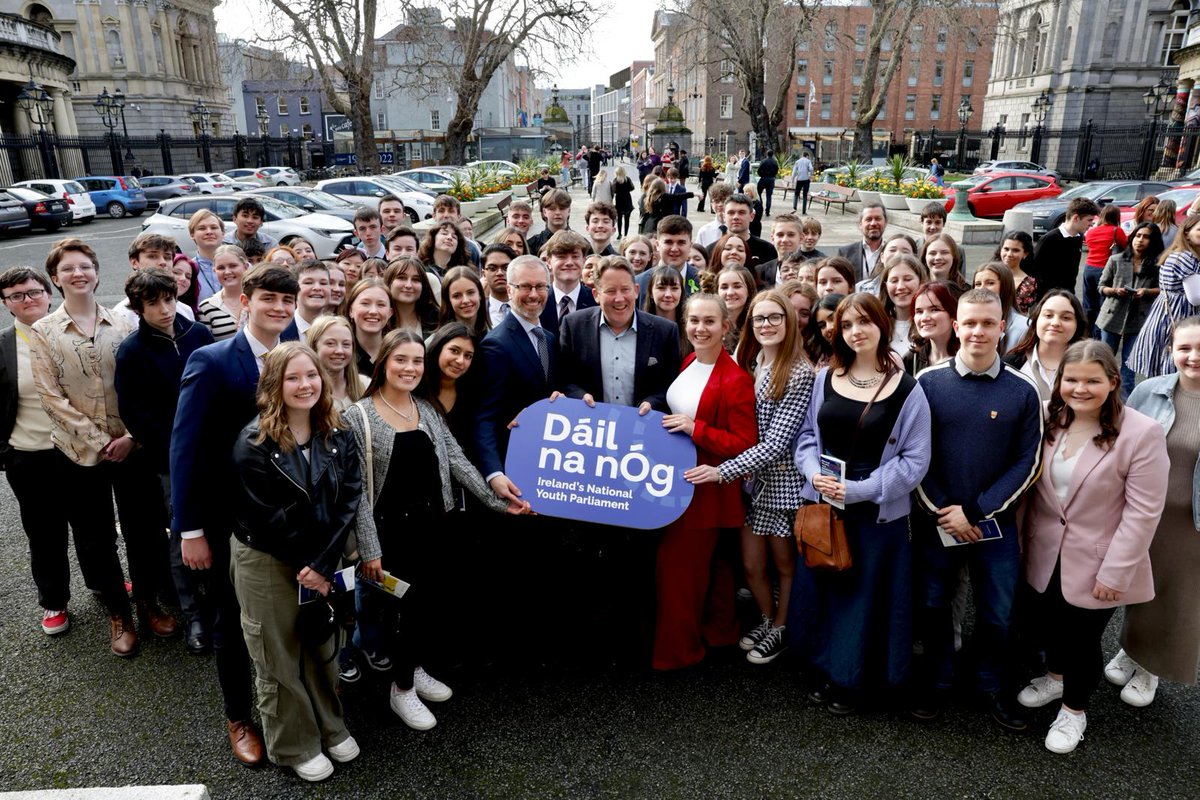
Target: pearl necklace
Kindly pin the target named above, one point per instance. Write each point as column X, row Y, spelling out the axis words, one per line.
column 412, row 406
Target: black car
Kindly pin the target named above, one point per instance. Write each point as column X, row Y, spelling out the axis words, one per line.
column 311, row 200
column 1048, row 214
column 13, row 216
column 45, row 212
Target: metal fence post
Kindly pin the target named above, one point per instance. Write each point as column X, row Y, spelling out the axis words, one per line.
column 207, row 151
column 164, row 147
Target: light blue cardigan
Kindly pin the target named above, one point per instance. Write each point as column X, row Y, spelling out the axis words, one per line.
column 905, row 456
column 1155, row 397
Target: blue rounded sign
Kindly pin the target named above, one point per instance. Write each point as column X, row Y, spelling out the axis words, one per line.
column 607, row 464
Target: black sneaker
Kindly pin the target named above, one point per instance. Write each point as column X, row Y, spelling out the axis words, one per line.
column 377, row 662
column 752, row 638
column 349, row 672
column 1006, row 714
column 769, row 646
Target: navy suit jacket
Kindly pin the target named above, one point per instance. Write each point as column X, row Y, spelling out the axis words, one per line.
column 657, row 358
column 513, row 379
column 291, row 333
column 216, row 400
column 550, row 312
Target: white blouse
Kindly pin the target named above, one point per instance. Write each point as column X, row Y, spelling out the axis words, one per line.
column 683, row 395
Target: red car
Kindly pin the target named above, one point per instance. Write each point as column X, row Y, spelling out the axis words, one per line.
column 1182, row 196
column 992, row 194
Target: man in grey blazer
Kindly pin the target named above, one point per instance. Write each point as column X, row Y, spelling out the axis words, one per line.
column 864, row 254
column 617, row 354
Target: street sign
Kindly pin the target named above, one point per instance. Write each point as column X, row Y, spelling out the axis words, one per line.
column 350, row 159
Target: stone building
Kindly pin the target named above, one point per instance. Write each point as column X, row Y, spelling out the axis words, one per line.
column 161, row 54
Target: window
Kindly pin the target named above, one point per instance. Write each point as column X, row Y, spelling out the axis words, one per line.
column 1023, row 182
column 1066, row 45
column 935, row 107
column 726, row 106
column 726, row 71
column 968, row 73
column 306, row 131
column 379, row 88
column 830, row 37
column 801, row 105
column 910, row 106
column 883, row 108
column 1175, row 32
column 857, row 78
column 826, row 106
column 827, row 74
column 1108, row 46
column 860, row 37
column 973, row 39
column 381, row 119
column 914, row 71
column 803, row 43
column 854, row 107
column 282, row 106
column 886, row 43
column 943, row 37
column 283, row 129
column 916, row 38
column 802, row 71
column 939, row 72
column 304, row 109
column 435, row 119
column 260, row 106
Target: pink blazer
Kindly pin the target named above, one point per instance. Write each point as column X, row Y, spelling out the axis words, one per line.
column 1103, row 533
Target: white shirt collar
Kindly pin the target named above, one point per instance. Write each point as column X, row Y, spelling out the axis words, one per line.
column 259, row 349
column 632, row 322
column 573, row 294
column 1066, row 232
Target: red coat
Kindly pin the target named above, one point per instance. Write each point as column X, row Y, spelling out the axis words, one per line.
column 725, row 427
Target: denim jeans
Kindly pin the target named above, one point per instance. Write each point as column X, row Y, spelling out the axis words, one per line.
column 1122, row 349
column 1091, row 298
column 994, row 567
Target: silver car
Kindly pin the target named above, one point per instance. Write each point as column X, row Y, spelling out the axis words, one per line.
column 366, row 191
column 327, row 234
column 211, row 182
column 280, row 176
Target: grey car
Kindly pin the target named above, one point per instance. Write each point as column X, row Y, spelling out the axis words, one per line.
column 1049, row 213
column 166, row 187
column 311, row 200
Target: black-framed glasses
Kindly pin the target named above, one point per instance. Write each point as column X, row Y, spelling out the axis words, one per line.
column 774, row 320
column 21, row 297
column 540, row 288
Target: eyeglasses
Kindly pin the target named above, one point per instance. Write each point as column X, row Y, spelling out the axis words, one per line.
column 21, row 297
column 71, row 269
column 774, row 320
column 527, row 288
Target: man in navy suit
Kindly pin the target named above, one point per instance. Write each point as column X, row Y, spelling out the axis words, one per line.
column 864, row 254
column 743, row 173
column 564, row 253
column 619, row 355
column 216, row 400
column 674, row 247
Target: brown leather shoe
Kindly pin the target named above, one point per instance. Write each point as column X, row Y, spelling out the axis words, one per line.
column 124, row 638
column 246, row 742
column 161, row 623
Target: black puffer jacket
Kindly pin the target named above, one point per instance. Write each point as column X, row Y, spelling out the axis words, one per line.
column 298, row 511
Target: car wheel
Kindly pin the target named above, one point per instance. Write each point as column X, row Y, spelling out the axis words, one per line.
column 51, row 227
column 89, row 219
column 115, row 210
column 135, row 213
column 282, row 183
column 412, row 215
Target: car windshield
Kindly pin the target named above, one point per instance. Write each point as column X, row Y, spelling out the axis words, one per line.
column 1088, row 190
column 73, row 188
column 327, row 200
column 132, row 182
column 974, row 180
column 279, row 208
column 220, row 176
column 405, row 184
column 26, row 194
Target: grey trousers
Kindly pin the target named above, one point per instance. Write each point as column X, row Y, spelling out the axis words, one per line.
column 297, row 686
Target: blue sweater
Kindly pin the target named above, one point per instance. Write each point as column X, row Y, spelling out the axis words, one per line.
column 987, row 440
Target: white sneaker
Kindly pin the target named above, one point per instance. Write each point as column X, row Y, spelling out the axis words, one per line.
column 1066, row 732
column 1120, row 669
column 1140, row 690
column 430, row 688
column 410, row 709
column 1041, row 691
column 345, row 752
column 317, row 768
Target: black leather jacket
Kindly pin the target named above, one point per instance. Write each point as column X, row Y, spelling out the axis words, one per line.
column 300, row 520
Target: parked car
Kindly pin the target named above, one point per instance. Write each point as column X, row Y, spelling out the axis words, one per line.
column 429, row 180
column 312, row 200
column 280, row 176
column 13, row 216
column 255, row 176
column 366, row 190
column 80, row 202
column 45, row 212
column 1050, row 213
column 165, row 187
column 117, row 195
column 208, row 183
column 327, row 234
column 1182, row 196
column 498, row 165
column 992, row 194
column 413, row 186
column 988, row 167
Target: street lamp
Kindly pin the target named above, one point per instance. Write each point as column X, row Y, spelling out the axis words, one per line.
column 1041, row 107
column 961, row 210
column 200, row 116
column 118, row 98
column 38, row 106
column 106, row 107
column 1157, row 100
column 264, row 120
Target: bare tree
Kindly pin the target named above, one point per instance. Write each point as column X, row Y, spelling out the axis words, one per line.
column 756, row 41
column 339, row 37
column 463, row 54
column 891, row 29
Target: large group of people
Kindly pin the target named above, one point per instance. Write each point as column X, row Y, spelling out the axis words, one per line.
column 289, row 420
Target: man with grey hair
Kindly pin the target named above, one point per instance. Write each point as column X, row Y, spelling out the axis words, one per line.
column 872, row 222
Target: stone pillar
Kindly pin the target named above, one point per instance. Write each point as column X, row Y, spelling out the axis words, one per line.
column 1191, row 127
column 1170, row 154
column 69, row 161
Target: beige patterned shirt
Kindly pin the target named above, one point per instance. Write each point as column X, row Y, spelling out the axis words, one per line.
column 75, row 376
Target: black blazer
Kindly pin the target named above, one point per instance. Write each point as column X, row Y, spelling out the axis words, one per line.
column 8, row 387
column 512, row 379
column 550, row 312
column 216, row 400
column 580, row 368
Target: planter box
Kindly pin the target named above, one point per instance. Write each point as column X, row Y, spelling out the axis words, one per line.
column 869, row 198
column 894, row 202
column 473, row 207
column 915, row 205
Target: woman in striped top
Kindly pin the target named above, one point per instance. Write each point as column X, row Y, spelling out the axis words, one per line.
column 222, row 313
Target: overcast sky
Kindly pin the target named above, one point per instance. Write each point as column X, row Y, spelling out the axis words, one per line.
column 621, row 37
